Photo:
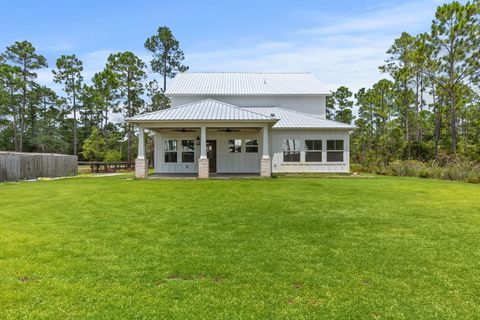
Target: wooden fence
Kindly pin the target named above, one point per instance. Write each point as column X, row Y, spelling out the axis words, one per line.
column 16, row 166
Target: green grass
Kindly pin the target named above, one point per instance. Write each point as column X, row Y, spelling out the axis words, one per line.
column 285, row 248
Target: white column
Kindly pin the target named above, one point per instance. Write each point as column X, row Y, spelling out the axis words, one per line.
column 141, row 143
column 203, row 143
column 265, row 143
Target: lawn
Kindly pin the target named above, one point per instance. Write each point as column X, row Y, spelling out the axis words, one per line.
column 285, row 248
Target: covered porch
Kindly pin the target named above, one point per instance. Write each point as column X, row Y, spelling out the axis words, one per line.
column 203, row 138
column 214, row 150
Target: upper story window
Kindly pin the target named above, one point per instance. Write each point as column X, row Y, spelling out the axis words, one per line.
column 291, row 150
column 313, row 150
column 234, row 145
column 251, row 146
column 170, row 150
column 188, row 151
column 335, row 150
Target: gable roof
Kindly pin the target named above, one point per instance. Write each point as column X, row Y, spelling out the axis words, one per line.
column 244, row 83
column 296, row 119
column 204, row 110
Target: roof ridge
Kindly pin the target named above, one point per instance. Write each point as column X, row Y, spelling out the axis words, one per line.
column 200, row 101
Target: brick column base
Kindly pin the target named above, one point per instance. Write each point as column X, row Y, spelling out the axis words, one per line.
column 265, row 167
column 203, row 171
column 141, row 168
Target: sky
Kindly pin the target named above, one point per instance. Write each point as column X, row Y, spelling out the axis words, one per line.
column 342, row 42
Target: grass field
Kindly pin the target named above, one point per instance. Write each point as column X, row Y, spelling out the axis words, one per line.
column 285, row 248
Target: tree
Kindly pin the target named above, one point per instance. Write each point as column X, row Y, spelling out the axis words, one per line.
column 342, row 104
column 129, row 73
column 158, row 100
column 23, row 55
column 167, row 55
column 455, row 36
column 10, row 84
column 399, row 66
column 69, row 73
column 94, row 146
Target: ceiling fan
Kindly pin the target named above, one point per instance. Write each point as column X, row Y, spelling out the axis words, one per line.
column 229, row 130
column 183, row 130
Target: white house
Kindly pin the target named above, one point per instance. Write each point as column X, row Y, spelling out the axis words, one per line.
column 255, row 123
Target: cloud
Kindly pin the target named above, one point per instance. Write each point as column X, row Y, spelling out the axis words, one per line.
column 339, row 50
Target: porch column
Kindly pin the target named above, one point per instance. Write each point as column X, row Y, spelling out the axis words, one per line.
column 203, row 161
column 141, row 163
column 265, row 162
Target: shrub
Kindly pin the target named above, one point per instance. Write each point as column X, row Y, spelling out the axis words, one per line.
column 446, row 167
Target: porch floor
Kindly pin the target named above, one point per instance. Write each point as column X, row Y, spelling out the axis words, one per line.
column 195, row 175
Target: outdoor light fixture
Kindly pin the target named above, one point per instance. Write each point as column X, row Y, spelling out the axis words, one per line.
column 197, row 141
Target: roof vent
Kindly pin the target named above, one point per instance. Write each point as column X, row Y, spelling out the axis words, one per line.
column 272, row 115
column 264, row 81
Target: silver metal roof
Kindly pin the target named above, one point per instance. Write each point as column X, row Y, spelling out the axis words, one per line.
column 296, row 119
column 242, row 83
column 204, row 110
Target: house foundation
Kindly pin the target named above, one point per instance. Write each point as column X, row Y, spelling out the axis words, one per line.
column 265, row 167
column 141, row 168
column 203, row 168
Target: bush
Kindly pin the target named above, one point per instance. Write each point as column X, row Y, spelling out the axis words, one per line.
column 112, row 156
column 446, row 168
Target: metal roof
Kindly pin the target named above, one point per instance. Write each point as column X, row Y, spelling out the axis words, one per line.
column 204, row 110
column 243, row 83
column 296, row 119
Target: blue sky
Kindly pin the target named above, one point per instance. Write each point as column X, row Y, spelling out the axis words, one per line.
column 341, row 42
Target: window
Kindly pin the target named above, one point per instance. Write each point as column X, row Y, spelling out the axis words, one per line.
column 188, row 151
column 251, row 146
column 334, row 150
column 313, row 150
column 170, row 150
column 234, row 145
column 291, row 150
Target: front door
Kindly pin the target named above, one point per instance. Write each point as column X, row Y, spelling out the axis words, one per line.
column 212, row 155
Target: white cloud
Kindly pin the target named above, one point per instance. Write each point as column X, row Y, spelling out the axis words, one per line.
column 340, row 50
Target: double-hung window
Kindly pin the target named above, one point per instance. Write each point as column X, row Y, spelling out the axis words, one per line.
column 291, row 150
column 188, row 151
column 251, row 146
column 235, row 145
column 334, row 150
column 313, row 150
column 170, row 150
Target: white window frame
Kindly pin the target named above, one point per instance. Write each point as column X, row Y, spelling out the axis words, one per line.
column 295, row 149
column 318, row 151
column 186, row 150
column 235, row 146
column 336, row 150
column 167, row 149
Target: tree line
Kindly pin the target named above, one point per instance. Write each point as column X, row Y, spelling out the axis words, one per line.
column 428, row 108
column 34, row 118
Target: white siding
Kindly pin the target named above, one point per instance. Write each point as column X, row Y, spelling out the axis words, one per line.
column 276, row 151
column 226, row 162
column 307, row 104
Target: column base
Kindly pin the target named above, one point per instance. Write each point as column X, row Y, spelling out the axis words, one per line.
column 265, row 167
column 141, row 168
column 203, row 168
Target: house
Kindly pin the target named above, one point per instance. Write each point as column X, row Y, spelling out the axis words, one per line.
column 255, row 123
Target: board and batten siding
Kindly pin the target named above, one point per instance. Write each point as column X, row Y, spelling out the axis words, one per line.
column 227, row 162
column 306, row 104
column 276, row 151
column 16, row 166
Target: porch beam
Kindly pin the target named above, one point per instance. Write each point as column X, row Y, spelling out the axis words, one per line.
column 203, row 142
column 265, row 154
column 141, row 143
